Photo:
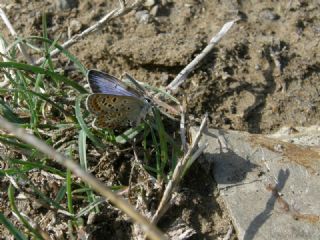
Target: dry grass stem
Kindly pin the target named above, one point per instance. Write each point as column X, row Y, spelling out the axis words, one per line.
column 182, row 76
column 223, row 143
column 3, row 53
column 21, row 46
column 151, row 230
column 229, row 233
column 183, row 129
column 177, row 173
column 123, row 9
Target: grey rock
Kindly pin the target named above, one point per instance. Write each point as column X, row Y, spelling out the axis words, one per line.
column 270, row 187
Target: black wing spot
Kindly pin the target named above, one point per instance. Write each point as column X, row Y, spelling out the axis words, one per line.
column 114, row 99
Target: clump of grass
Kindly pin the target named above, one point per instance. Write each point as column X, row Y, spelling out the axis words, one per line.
column 49, row 104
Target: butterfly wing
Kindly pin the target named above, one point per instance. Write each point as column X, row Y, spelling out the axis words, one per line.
column 101, row 82
column 113, row 111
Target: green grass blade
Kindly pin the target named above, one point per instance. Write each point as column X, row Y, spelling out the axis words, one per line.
column 62, row 50
column 83, row 125
column 10, row 140
column 9, row 114
column 14, row 231
column 158, row 153
column 129, row 134
column 38, row 165
column 57, row 106
column 91, row 206
column 83, row 161
column 83, row 149
column 17, row 212
column 164, row 156
column 46, row 44
column 69, row 191
column 39, row 70
column 61, row 193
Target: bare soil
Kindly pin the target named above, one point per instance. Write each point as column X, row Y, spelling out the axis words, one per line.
column 263, row 75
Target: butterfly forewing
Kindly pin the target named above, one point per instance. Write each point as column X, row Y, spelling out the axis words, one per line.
column 104, row 83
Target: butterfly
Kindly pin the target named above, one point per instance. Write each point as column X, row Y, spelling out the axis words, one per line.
column 114, row 103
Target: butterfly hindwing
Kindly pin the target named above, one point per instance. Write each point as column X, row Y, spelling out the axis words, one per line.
column 113, row 111
column 99, row 103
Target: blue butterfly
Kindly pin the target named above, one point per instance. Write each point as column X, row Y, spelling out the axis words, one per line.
column 115, row 103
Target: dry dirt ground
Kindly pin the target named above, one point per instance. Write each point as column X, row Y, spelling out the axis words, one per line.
column 264, row 74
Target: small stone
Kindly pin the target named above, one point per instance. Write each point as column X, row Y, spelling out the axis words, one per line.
column 154, row 10
column 149, row 3
column 142, row 16
column 75, row 26
column 164, row 2
column 268, row 14
column 66, row 4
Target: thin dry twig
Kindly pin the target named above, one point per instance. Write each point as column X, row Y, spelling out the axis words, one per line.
column 21, row 46
column 151, row 230
column 182, row 76
column 229, row 233
column 118, row 12
column 5, row 59
column 176, row 177
column 183, row 128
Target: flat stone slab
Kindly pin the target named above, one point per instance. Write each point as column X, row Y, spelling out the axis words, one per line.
column 271, row 187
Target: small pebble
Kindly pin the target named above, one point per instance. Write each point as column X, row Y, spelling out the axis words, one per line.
column 149, row 3
column 66, row 4
column 268, row 14
column 142, row 16
column 75, row 26
column 154, row 10
column 164, row 2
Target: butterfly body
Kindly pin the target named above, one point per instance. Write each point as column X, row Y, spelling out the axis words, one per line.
column 114, row 103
